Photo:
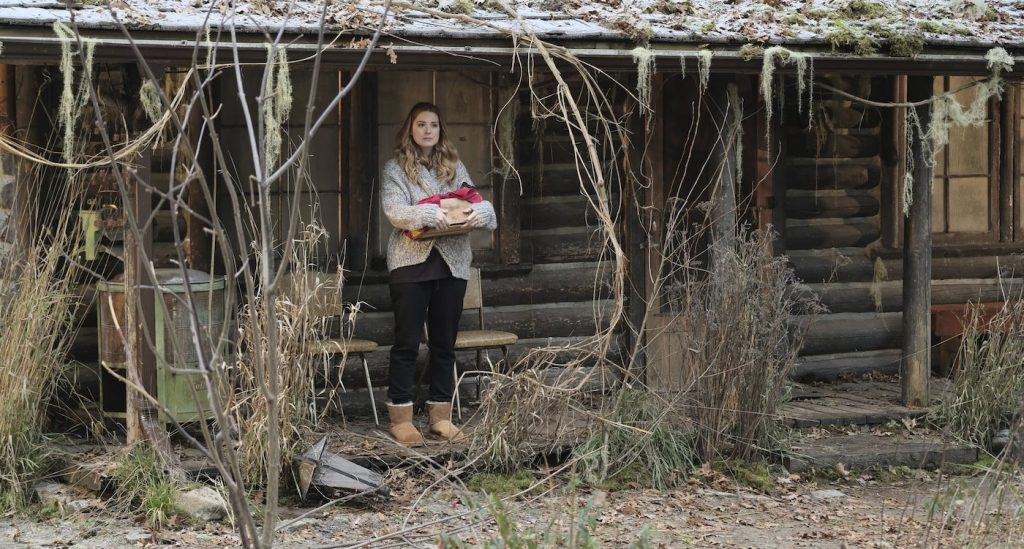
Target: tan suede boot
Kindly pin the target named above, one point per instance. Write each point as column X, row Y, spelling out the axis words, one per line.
column 441, row 422
column 402, row 429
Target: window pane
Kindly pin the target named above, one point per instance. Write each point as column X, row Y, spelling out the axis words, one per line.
column 968, row 204
column 968, row 151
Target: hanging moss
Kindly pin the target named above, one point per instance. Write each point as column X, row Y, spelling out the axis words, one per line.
column 750, row 51
column 277, row 103
column 778, row 56
column 71, row 102
column 736, row 106
column 704, row 67
column 149, row 98
column 880, row 275
column 644, row 59
column 682, row 66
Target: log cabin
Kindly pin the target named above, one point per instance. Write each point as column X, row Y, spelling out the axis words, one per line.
column 832, row 186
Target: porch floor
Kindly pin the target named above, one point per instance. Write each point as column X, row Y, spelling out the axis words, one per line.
column 853, row 403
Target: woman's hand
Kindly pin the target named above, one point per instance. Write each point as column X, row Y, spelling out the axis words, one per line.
column 472, row 219
column 441, row 222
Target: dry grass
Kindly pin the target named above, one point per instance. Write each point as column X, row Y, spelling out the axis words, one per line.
column 36, row 323
column 301, row 316
column 737, row 322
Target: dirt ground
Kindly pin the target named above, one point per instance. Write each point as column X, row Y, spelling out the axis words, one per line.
column 907, row 509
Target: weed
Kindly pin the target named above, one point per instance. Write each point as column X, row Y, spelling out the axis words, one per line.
column 143, row 486
column 892, row 473
column 501, row 485
column 905, row 44
column 845, row 37
column 707, row 26
column 863, row 9
column 751, row 51
column 752, row 475
column 669, row 7
column 636, row 433
column 464, row 7
column 574, row 533
column 989, row 376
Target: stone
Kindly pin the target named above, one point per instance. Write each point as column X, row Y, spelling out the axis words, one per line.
column 827, row 494
column 62, row 497
column 202, row 504
column 138, row 536
column 300, row 524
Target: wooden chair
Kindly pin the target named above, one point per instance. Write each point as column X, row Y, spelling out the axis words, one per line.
column 320, row 293
column 482, row 339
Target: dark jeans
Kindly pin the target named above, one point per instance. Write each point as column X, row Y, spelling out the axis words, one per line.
column 439, row 303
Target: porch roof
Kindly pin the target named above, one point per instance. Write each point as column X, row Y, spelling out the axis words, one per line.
column 947, row 29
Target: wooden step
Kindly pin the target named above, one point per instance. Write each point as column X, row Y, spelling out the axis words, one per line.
column 547, row 212
column 851, row 143
column 803, row 234
column 831, row 173
column 567, row 244
column 849, row 332
column 553, row 148
column 837, row 365
column 557, row 180
column 353, row 376
column 526, row 321
column 544, row 283
column 836, row 203
column 866, row 450
column 841, row 114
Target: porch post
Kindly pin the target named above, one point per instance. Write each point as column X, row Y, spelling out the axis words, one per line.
column 142, row 416
column 723, row 97
column 917, row 262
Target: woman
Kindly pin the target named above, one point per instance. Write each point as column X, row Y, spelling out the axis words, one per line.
column 428, row 277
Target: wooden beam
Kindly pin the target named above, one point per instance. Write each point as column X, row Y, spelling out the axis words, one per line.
column 140, row 298
column 507, row 189
column 1005, row 155
column 917, row 262
column 722, row 94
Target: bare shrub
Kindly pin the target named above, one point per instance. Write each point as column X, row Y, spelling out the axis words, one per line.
column 301, row 319
column 741, row 342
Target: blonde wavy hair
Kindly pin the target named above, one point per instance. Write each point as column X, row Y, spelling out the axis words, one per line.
column 443, row 157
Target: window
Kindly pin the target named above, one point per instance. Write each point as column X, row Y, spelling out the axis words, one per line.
column 965, row 205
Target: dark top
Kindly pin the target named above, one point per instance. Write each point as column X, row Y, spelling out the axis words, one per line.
column 434, row 268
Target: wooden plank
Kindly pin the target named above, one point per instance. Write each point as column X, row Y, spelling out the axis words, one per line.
column 863, row 451
column 507, row 189
column 832, row 366
column 917, row 262
column 1007, row 151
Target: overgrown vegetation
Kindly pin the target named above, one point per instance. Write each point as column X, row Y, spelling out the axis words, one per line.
column 573, row 530
column 738, row 325
column 988, row 379
column 636, row 442
column 144, row 487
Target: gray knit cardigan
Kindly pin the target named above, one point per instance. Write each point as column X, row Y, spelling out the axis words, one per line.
column 398, row 198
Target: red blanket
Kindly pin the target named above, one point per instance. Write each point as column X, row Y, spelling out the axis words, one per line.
column 469, row 194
